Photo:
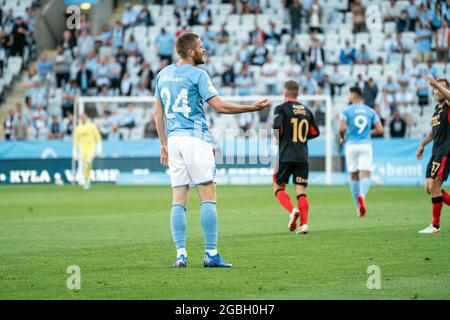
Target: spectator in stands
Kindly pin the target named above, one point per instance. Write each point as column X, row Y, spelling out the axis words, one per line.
column 399, row 46
column 360, row 82
column 391, row 11
column 114, row 72
column 422, row 91
column 269, row 74
column 430, row 69
column 141, row 91
column 208, row 37
column 146, row 75
column 122, row 59
column 19, row 36
column 68, row 125
column 318, row 74
column 337, row 79
column 257, row 35
column 404, row 103
column 223, row 39
column 44, row 67
column 404, row 23
column 414, row 70
column 129, row 16
column 128, row 119
column 165, row 43
column 359, row 21
column 423, row 42
column 308, row 84
column 445, row 10
column 295, row 14
column 8, row 126
column 244, row 54
column 204, row 14
column 259, row 54
column 85, row 43
column 244, row 81
column 293, row 70
column 397, row 126
column 30, row 81
column 117, row 35
column 314, row 17
column 126, row 86
column 370, row 93
column 114, row 134
column 85, row 80
column 62, row 62
column 92, row 62
column 425, row 15
column 442, row 40
column 384, row 104
column 20, row 124
column 3, row 43
column 106, row 34
column 145, row 17
column 403, row 77
column 326, row 86
column 391, row 86
column 250, row 6
column 55, row 128
column 184, row 28
column 316, row 54
column 228, row 78
column 347, row 55
column 39, row 119
column 70, row 93
column 38, row 95
column 272, row 36
column 290, row 45
column 362, row 56
column 150, row 129
column 412, row 13
column 68, row 43
column 299, row 56
column 131, row 47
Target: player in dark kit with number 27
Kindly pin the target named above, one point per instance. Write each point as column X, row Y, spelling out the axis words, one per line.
column 296, row 125
column 438, row 167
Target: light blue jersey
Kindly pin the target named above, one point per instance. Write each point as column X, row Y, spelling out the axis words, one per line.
column 182, row 90
column 360, row 118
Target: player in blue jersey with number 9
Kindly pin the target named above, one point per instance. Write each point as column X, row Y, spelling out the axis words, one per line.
column 181, row 90
column 355, row 128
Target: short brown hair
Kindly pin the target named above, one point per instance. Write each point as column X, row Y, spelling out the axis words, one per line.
column 291, row 88
column 185, row 42
column 447, row 83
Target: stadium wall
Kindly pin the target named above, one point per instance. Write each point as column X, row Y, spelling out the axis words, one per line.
column 137, row 162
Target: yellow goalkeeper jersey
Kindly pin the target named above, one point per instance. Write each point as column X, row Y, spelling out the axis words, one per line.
column 86, row 136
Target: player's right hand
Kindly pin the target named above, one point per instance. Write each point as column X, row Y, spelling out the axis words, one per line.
column 260, row 105
column 164, row 157
column 419, row 152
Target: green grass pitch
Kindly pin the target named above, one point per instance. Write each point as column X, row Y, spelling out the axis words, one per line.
column 120, row 238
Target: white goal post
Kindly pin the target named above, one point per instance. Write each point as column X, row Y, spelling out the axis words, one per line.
column 81, row 102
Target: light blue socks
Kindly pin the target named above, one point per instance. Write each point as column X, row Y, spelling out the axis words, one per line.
column 354, row 186
column 178, row 225
column 208, row 219
column 364, row 186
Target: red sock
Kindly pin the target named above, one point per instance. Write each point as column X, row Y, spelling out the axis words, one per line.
column 437, row 208
column 446, row 197
column 303, row 206
column 284, row 200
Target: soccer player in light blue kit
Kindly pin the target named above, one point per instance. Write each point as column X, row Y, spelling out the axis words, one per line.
column 355, row 128
column 181, row 90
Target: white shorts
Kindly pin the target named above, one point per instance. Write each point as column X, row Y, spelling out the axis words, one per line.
column 191, row 161
column 358, row 157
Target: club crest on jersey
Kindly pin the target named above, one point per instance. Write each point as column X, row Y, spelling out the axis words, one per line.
column 436, row 120
column 298, row 109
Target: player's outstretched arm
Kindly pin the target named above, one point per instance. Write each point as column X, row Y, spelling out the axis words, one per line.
column 442, row 89
column 421, row 148
column 158, row 117
column 232, row 108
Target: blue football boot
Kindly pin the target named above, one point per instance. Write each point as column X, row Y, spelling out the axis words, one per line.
column 181, row 262
column 214, row 261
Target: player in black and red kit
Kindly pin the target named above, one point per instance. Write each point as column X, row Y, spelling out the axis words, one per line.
column 296, row 125
column 438, row 167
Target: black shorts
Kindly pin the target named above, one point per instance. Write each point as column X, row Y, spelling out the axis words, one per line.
column 283, row 172
column 438, row 168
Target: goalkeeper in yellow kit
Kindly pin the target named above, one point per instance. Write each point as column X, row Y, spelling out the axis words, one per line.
column 87, row 143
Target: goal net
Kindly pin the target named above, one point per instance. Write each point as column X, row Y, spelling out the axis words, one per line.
column 243, row 144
